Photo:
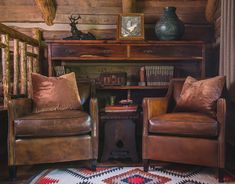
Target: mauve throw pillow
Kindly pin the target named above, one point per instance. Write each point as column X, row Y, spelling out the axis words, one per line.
column 200, row 95
column 55, row 93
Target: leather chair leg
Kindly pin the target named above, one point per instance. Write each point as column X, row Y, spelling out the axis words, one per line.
column 221, row 175
column 146, row 165
column 12, row 172
column 93, row 164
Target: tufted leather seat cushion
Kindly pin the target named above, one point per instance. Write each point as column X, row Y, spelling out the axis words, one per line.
column 55, row 123
column 184, row 124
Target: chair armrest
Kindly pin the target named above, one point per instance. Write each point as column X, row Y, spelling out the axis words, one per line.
column 221, row 110
column 153, row 107
column 16, row 108
column 221, row 118
column 20, row 107
column 94, row 112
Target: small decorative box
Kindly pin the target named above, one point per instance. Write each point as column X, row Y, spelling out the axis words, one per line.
column 113, row 78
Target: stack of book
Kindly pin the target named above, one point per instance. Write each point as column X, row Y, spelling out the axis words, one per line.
column 121, row 108
column 158, row 75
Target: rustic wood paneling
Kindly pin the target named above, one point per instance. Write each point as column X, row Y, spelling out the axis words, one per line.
column 192, row 32
column 189, row 11
column 14, row 2
column 100, row 16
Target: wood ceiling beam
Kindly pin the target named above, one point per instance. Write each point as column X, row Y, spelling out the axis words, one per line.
column 48, row 10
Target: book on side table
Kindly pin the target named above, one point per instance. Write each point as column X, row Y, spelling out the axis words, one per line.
column 120, row 108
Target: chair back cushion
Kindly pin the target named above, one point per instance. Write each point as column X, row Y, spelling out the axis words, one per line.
column 55, row 93
column 84, row 89
column 177, row 88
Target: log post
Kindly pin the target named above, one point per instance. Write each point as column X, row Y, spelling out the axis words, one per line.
column 37, row 34
column 128, row 6
column 16, row 67
column 48, row 10
column 29, row 78
column 36, row 63
column 23, row 74
column 211, row 8
column 6, row 69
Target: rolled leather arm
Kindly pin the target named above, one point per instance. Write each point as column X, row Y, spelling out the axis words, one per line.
column 221, row 118
column 94, row 112
column 20, row 107
column 153, row 107
column 16, row 108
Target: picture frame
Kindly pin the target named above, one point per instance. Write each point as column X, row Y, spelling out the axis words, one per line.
column 131, row 26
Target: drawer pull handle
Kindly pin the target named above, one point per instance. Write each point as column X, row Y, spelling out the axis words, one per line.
column 107, row 51
column 69, row 51
column 148, row 51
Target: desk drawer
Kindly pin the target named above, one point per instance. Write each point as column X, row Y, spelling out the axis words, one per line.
column 89, row 51
column 164, row 51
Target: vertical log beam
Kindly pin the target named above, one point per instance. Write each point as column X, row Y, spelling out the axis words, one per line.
column 29, row 78
column 35, row 61
column 48, row 10
column 128, row 6
column 211, row 8
column 6, row 69
column 23, row 74
column 37, row 34
column 16, row 67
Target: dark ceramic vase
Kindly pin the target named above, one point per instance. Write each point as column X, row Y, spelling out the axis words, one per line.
column 169, row 27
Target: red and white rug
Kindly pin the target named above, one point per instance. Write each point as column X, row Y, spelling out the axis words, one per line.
column 129, row 175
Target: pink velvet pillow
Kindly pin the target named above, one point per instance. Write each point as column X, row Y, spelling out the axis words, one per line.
column 200, row 95
column 55, row 93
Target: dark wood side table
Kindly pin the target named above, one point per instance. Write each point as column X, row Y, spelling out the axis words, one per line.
column 119, row 135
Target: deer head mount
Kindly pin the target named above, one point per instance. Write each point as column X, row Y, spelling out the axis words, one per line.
column 76, row 33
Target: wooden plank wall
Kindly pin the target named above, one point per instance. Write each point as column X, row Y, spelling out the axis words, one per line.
column 100, row 17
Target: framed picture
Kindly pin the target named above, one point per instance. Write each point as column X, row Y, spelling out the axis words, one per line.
column 131, row 26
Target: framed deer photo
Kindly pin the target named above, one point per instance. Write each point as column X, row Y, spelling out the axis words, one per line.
column 131, row 26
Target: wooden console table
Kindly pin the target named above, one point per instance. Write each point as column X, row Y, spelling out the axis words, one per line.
column 131, row 51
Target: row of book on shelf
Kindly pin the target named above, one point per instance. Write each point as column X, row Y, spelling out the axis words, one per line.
column 158, row 75
column 149, row 75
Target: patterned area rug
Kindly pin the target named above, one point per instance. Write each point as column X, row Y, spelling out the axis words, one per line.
column 129, row 175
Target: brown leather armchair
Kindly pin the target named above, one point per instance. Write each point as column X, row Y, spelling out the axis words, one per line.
column 49, row 137
column 182, row 137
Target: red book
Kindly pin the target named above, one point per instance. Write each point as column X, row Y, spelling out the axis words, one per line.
column 121, row 108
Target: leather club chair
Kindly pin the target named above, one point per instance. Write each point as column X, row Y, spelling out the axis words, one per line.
column 182, row 137
column 49, row 137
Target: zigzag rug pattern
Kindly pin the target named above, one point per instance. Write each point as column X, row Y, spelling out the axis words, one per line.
column 176, row 174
